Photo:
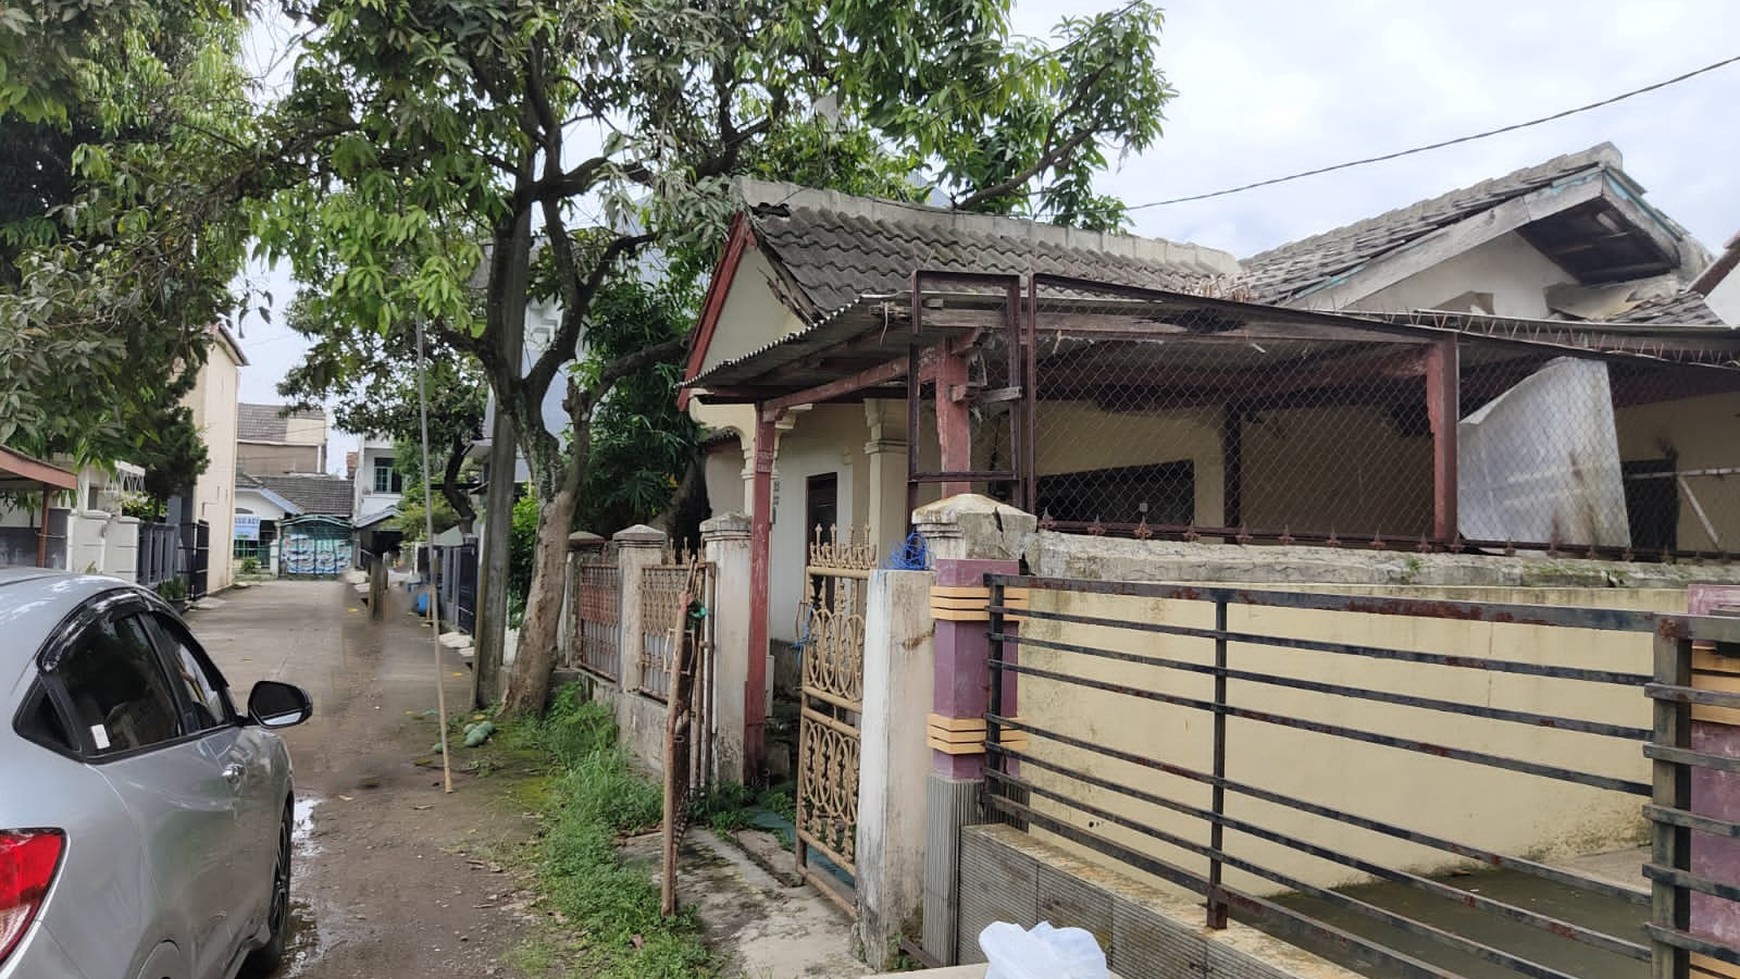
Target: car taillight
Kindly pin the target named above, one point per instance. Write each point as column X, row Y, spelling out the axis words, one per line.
column 28, row 862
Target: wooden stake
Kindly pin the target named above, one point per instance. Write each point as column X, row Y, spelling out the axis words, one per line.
column 679, row 684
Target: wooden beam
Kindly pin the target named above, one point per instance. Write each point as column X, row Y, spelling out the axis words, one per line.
column 761, row 533
column 29, row 470
column 954, row 422
column 1443, row 407
column 1232, row 450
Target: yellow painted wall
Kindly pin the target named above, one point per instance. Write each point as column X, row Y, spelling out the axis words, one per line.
column 1343, row 469
column 1509, row 812
column 1078, row 436
column 1706, row 433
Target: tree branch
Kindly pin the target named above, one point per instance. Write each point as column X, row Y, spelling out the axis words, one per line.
column 567, row 337
column 627, row 364
column 1014, row 183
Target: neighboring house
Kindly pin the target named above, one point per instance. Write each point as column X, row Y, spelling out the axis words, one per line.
column 542, row 319
column 378, row 482
column 271, row 441
column 263, row 503
column 813, row 264
column 212, row 501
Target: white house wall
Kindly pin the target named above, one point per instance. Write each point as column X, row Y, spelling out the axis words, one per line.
column 1508, row 267
column 828, row 439
column 752, row 317
column 1724, row 300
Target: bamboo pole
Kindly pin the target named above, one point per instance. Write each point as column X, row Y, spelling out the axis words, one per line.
column 429, row 544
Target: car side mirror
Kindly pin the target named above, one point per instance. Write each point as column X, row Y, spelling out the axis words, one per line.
column 273, row 704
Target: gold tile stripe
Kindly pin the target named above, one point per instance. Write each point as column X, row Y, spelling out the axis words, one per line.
column 1704, row 966
column 970, row 603
column 1714, row 671
column 966, row 735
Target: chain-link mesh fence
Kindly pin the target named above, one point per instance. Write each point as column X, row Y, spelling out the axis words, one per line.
column 1158, row 416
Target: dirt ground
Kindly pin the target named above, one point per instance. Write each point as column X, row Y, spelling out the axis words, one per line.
column 395, row 878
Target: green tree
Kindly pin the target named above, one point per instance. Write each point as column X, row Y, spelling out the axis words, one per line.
column 116, row 257
column 369, row 379
column 451, row 131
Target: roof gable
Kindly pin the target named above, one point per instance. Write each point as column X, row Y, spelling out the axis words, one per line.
column 1554, row 205
column 311, row 494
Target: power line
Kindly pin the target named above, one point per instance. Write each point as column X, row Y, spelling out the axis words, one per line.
column 1440, row 145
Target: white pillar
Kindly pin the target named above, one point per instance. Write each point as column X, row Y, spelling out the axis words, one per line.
column 888, row 471
column 894, row 759
column 637, row 548
column 725, row 541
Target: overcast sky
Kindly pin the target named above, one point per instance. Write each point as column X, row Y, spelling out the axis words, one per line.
column 1271, row 87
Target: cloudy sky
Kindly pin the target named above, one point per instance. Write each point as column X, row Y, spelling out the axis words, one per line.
column 1271, row 87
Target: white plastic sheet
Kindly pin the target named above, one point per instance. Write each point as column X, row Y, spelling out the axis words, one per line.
column 1540, row 462
column 1042, row 953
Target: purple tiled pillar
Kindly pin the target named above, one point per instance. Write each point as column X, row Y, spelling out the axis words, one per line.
column 1715, row 731
column 962, row 675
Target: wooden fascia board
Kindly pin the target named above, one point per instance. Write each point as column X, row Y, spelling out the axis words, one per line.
column 1452, row 240
column 36, row 471
column 740, row 237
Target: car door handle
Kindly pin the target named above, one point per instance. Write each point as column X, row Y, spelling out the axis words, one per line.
column 233, row 773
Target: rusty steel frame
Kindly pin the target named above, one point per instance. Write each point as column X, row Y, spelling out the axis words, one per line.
column 1670, row 939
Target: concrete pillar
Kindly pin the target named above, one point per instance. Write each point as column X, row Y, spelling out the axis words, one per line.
column 894, row 759
column 969, row 536
column 725, row 544
column 637, row 548
column 886, row 452
column 122, row 553
column 583, row 545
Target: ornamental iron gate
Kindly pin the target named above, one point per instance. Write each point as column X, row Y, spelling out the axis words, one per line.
column 831, row 709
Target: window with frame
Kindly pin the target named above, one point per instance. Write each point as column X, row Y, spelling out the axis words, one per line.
column 117, row 689
column 202, row 690
column 387, row 478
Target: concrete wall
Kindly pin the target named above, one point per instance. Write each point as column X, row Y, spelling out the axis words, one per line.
column 827, row 439
column 752, row 317
column 213, row 401
column 1502, row 810
column 103, row 543
column 1507, row 267
column 1077, row 436
column 266, row 459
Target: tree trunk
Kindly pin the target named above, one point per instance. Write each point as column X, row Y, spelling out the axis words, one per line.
column 456, row 497
column 528, row 687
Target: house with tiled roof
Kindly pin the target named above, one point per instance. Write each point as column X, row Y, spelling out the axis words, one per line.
column 272, row 440
column 264, row 504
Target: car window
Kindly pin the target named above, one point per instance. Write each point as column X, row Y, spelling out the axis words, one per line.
column 116, row 687
column 207, row 707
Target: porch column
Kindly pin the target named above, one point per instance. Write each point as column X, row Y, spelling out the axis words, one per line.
column 1444, row 411
column 725, row 541
column 761, row 532
column 953, row 421
column 969, row 537
column 886, row 452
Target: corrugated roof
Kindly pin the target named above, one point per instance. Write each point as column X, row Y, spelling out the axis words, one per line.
column 269, row 423
column 315, row 494
column 832, row 248
column 1284, row 273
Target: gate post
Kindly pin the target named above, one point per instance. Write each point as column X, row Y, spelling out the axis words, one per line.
column 725, row 544
column 969, row 537
column 894, row 763
column 583, row 545
column 637, row 548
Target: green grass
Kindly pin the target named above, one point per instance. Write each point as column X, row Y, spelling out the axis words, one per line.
column 613, row 927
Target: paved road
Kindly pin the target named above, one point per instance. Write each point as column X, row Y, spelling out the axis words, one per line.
column 394, row 877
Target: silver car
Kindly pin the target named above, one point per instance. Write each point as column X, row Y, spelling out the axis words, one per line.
column 144, row 823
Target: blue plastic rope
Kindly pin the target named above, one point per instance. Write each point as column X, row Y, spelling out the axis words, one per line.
column 913, row 555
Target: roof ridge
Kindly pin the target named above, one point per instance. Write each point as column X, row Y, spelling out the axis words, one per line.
column 768, row 196
column 1603, row 154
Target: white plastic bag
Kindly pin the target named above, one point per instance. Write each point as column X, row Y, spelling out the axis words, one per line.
column 1043, row 953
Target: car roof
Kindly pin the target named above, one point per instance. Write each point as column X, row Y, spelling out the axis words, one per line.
column 35, row 600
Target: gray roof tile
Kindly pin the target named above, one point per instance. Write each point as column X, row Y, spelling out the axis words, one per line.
column 835, row 248
column 1286, row 272
column 318, row 494
column 1681, row 309
column 268, row 423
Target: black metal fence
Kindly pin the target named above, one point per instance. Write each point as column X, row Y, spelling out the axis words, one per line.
column 456, row 584
column 1118, row 738
column 160, row 555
